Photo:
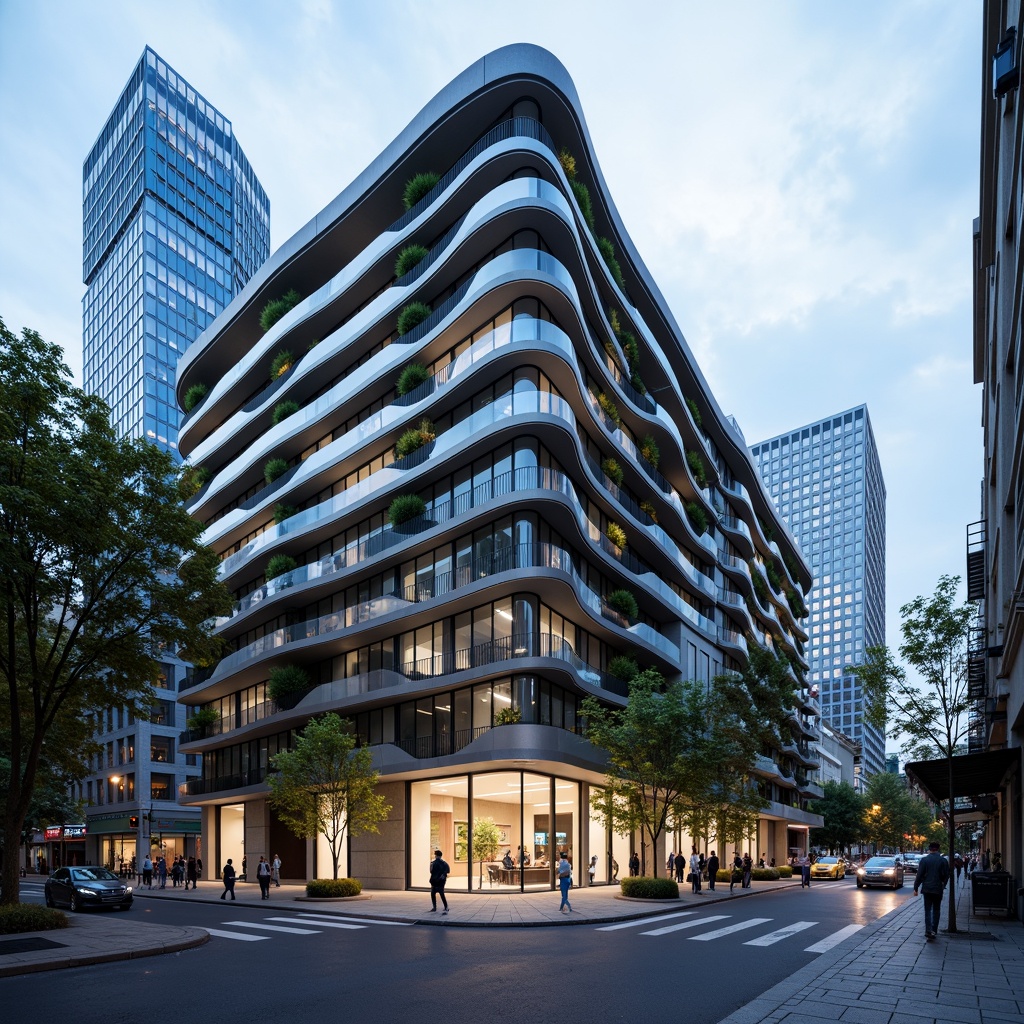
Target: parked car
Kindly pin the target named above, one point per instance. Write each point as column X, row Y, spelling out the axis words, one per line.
column 87, row 886
column 887, row 871
column 910, row 862
column 828, row 867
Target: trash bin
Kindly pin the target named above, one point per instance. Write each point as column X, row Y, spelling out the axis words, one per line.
column 990, row 890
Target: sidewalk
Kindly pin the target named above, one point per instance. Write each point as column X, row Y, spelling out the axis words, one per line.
column 889, row 974
column 96, row 937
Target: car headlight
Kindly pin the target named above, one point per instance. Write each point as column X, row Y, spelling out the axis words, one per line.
column 889, row 871
column 860, row 871
column 127, row 890
column 84, row 892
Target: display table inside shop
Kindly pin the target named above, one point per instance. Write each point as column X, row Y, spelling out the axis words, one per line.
column 513, row 876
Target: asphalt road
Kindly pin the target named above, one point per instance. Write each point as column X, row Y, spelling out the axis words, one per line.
column 696, row 966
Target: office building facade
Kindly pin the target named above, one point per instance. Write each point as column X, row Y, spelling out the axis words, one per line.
column 448, row 504
column 826, row 480
column 174, row 223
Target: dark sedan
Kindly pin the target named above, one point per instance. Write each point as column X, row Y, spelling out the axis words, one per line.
column 82, row 887
column 887, row 871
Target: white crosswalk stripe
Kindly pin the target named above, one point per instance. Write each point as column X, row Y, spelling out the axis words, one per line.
column 782, row 933
column 687, row 924
column 834, row 939
column 643, row 921
column 729, row 929
column 269, row 927
column 364, row 921
column 323, row 924
column 241, row 937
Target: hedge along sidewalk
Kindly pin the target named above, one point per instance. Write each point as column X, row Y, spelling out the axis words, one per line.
column 487, row 908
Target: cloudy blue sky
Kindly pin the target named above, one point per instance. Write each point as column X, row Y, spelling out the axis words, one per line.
column 800, row 178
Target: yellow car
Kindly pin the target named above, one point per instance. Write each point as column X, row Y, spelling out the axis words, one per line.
column 828, row 867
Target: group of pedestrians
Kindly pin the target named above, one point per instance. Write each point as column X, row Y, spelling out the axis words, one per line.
column 268, row 872
column 182, row 871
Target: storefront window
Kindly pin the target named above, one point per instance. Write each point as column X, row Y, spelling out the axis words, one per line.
column 497, row 817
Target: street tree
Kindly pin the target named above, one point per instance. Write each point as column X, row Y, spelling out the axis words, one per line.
column 650, row 745
column 326, row 785
column 101, row 569
column 888, row 811
column 934, row 714
column 843, row 810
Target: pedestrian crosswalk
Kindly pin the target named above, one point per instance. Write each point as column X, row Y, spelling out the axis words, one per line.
column 669, row 924
column 295, row 924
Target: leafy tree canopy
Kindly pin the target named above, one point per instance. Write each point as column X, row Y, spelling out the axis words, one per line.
column 843, row 810
column 92, row 582
column 326, row 785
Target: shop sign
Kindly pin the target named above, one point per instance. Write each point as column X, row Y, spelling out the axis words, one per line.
column 55, row 833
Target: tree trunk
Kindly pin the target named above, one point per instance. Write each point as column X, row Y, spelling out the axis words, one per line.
column 9, row 877
column 951, row 828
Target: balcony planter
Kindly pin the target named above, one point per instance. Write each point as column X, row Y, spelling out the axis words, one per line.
column 411, row 378
column 276, row 308
column 417, row 187
column 508, row 716
column 624, row 603
column 288, row 684
column 201, row 723
column 617, row 535
column 408, row 258
column 194, row 396
column 404, row 508
column 283, row 410
column 281, row 364
column 623, row 667
column 611, row 469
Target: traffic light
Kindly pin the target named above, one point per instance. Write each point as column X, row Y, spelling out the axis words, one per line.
column 133, row 821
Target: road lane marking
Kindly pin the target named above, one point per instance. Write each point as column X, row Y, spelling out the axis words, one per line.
column 271, row 927
column 366, row 921
column 323, row 924
column 729, row 929
column 644, row 921
column 834, row 939
column 687, row 924
column 236, row 935
column 783, row 933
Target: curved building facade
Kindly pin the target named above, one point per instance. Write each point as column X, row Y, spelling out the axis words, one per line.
column 473, row 464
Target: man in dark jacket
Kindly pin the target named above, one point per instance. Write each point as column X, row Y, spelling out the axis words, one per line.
column 931, row 877
column 439, row 872
column 712, row 870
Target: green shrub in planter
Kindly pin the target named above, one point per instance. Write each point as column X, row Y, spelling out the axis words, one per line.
column 760, row 587
column 29, row 917
column 408, row 258
column 696, row 464
column 650, row 888
column 276, row 308
column 613, row 319
column 773, row 575
column 411, row 378
column 568, row 162
column 649, row 509
column 414, row 439
column 610, row 409
column 582, row 194
column 281, row 364
column 412, row 316
column 278, row 565
column 698, row 517
column 418, row 186
column 203, row 718
column 405, row 507
column 313, row 344
column 623, row 667
column 796, row 604
column 623, row 601
column 275, row 468
column 650, row 451
column 283, row 512
column 694, row 411
column 785, row 871
column 508, row 716
column 616, row 534
column 608, row 252
column 631, row 348
column 286, row 680
column 765, row 874
column 192, row 480
column 331, row 888
column 612, row 470
column 283, row 410
column 612, row 350
column 194, row 396
column 638, row 382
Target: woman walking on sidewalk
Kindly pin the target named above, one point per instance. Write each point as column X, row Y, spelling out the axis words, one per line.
column 564, row 881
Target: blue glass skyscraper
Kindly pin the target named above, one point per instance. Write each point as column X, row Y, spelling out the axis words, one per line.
column 175, row 223
column 826, row 480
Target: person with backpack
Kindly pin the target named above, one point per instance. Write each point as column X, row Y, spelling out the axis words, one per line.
column 564, row 881
column 439, row 871
column 263, row 877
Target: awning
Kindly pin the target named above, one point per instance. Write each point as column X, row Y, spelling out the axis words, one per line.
column 973, row 774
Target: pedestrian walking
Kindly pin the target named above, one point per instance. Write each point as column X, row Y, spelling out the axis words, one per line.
column 147, row 872
column 931, row 877
column 263, row 877
column 805, row 871
column 736, row 874
column 161, row 871
column 748, row 869
column 564, row 882
column 199, row 867
column 670, row 864
column 592, row 869
column 958, row 866
column 190, row 873
column 275, row 870
column 712, row 870
column 439, row 871
column 695, row 872
column 634, row 865
column 228, row 875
